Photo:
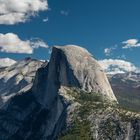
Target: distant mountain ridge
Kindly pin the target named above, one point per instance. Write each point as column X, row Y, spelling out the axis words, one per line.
column 18, row 77
column 124, row 78
column 126, row 87
column 68, row 97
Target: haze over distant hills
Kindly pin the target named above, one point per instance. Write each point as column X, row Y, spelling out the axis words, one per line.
column 124, row 78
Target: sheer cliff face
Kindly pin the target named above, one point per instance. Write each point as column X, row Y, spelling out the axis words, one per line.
column 72, row 66
column 61, row 92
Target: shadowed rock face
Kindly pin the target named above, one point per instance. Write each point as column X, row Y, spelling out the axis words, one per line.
column 41, row 112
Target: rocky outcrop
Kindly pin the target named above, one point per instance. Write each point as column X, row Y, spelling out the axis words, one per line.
column 6, row 62
column 71, row 66
column 65, row 91
column 91, row 118
column 18, row 77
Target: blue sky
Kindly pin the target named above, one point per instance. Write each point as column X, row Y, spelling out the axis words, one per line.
column 94, row 24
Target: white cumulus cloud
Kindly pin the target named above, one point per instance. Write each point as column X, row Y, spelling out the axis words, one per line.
column 5, row 62
column 109, row 51
column 11, row 43
column 114, row 66
column 15, row 11
column 131, row 43
column 37, row 43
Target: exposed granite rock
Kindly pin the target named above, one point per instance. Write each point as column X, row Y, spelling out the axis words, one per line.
column 51, row 107
column 18, row 77
column 71, row 66
column 91, row 118
column 115, row 124
column 6, row 62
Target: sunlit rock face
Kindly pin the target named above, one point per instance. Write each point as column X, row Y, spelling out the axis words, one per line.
column 72, row 66
column 87, row 71
column 18, row 77
column 41, row 111
column 5, row 62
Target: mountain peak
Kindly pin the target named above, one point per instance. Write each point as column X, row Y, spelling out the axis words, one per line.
column 71, row 48
column 67, row 91
column 71, row 66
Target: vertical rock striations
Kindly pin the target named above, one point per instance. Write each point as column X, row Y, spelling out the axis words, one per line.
column 71, row 66
column 41, row 113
